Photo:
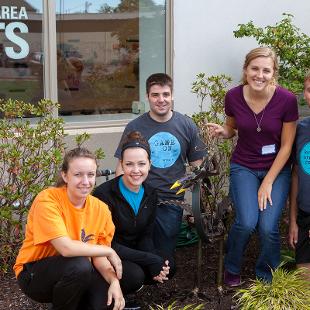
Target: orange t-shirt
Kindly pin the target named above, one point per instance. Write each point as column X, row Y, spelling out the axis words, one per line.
column 52, row 215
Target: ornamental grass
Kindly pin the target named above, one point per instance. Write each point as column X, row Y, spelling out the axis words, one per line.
column 289, row 290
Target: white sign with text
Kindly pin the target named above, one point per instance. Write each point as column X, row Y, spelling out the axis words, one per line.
column 11, row 29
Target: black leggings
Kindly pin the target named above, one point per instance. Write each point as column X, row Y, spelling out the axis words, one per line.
column 302, row 254
column 148, row 263
column 71, row 283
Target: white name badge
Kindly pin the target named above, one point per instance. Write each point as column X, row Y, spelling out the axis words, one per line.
column 268, row 149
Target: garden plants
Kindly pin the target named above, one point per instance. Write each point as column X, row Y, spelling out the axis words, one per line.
column 30, row 153
column 289, row 290
column 290, row 44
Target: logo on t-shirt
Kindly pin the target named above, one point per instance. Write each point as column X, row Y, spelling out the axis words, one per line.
column 165, row 149
column 84, row 237
column 305, row 158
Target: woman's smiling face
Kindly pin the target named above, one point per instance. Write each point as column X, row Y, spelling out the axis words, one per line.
column 136, row 165
column 80, row 178
column 259, row 73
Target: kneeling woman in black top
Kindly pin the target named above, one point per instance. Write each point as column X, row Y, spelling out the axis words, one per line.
column 133, row 207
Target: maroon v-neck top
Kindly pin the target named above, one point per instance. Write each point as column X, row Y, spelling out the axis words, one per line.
column 257, row 150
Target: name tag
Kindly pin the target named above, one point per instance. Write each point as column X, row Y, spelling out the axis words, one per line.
column 268, row 149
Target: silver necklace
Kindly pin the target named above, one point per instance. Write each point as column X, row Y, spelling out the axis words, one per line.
column 259, row 128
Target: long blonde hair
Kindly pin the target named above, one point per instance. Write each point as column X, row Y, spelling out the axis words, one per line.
column 261, row 52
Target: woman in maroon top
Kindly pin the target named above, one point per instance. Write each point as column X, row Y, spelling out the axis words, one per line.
column 264, row 115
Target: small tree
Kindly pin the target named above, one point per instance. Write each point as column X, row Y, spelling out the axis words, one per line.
column 30, row 155
column 291, row 45
column 211, row 92
column 214, row 203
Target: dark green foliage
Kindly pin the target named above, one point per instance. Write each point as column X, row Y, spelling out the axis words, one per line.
column 290, row 44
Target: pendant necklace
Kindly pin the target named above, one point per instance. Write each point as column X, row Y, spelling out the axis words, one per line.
column 259, row 128
column 258, row 123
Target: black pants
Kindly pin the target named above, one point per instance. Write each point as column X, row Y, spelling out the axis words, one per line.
column 302, row 255
column 143, row 263
column 72, row 283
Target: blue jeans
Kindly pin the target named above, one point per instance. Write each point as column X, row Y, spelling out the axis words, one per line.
column 244, row 185
column 166, row 229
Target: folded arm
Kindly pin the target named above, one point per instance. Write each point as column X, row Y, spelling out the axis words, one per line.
column 71, row 248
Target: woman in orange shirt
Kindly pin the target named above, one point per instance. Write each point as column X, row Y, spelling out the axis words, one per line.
column 66, row 258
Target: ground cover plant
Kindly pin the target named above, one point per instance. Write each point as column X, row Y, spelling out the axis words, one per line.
column 289, row 290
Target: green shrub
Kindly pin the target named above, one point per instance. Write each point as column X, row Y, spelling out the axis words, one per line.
column 31, row 151
column 291, row 45
column 211, row 91
column 30, row 155
column 289, row 290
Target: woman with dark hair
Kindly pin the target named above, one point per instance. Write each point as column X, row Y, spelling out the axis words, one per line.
column 133, row 207
column 66, row 258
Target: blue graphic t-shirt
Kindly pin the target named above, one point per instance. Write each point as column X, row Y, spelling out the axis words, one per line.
column 302, row 145
column 165, row 149
column 173, row 144
column 304, row 158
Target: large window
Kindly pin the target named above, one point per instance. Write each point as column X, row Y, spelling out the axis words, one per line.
column 105, row 51
column 21, row 57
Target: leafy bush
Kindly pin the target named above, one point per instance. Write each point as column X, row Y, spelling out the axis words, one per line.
column 211, row 92
column 215, row 204
column 291, row 45
column 289, row 290
column 30, row 155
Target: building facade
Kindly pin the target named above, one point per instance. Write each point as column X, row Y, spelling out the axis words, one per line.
column 93, row 57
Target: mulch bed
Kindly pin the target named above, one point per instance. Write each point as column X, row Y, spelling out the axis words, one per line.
column 182, row 288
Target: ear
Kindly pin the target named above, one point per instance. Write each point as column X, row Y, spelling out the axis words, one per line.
column 64, row 177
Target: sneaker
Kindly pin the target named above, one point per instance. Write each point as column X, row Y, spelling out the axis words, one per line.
column 231, row 279
column 132, row 305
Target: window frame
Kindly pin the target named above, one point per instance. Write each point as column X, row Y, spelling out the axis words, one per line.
column 50, row 66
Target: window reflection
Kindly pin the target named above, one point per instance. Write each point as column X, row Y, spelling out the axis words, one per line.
column 21, row 58
column 98, row 48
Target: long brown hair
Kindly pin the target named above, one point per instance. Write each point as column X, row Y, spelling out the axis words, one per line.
column 79, row 152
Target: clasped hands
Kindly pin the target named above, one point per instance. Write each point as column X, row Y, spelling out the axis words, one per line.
column 163, row 275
